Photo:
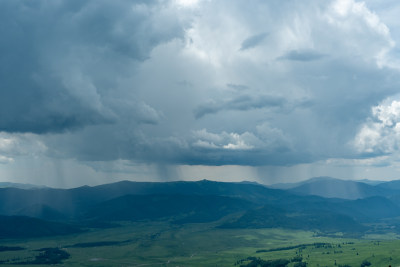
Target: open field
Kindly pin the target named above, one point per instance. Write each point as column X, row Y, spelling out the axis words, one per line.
column 163, row 244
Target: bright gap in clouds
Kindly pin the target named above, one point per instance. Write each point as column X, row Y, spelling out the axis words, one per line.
column 187, row 3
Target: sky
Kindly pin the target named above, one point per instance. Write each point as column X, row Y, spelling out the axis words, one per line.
column 98, row 91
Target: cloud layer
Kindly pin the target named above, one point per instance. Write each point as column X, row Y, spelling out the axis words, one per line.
column 208, row 83
column 63, row 60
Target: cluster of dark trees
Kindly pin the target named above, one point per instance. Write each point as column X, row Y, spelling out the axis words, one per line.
column 258, row 262
column 298, row 262
column 48, row 256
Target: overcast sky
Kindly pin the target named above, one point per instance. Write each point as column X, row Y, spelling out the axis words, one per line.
column 97, row 91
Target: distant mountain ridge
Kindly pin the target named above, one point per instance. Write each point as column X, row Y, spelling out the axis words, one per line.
column 346, row 205
column 321, row 178
column 393, row 185
column 20, row 185
column 73, row 202
column 336, row 188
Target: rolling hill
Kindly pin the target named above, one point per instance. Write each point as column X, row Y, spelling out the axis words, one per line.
column 252, row 205
column 182, row 208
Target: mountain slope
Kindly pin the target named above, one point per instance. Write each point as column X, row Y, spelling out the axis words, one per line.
column 26, row 227
column 186, row 208
column 362, row 210
column 272, row 217
column 203, row 201
column 336, row 188
column 75, row 202
column 392, row 185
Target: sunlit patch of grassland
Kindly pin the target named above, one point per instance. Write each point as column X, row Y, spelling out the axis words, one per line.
column 165, row 244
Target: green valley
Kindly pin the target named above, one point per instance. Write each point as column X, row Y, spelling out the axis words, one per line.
column 165, row 244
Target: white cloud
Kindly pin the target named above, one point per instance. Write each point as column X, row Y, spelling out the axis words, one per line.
column 352, row 13
column 205, row 144
column 187, row 3
column 237, row 142
column 265, row 138
column 224, row 140
column 13, row 146
column 358, row 22
column 381, row 133
column 7, row 144
column 5, row 160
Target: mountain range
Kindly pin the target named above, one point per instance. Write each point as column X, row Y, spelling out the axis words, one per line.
column 321, row 204
column 336, row 188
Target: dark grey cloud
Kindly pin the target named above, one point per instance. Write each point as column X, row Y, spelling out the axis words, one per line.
column 239, row 87
column 160, row 83
column 99, row 143
column 61, row 60
column 243, row 102
column 253, row 41
column 309, row 107
column 302, row 55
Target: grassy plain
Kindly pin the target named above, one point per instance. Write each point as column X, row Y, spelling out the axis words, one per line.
column 164, row 244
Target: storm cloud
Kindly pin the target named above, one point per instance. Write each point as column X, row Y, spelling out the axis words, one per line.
column 197, row 83
column 62, row 60
column 253, row 41
column 242, row 103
